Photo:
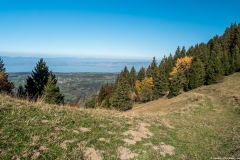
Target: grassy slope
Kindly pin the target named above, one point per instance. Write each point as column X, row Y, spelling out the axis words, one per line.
column 199, row 124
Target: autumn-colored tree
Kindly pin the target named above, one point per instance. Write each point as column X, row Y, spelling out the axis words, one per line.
column 178, row 76
column 182, row 64
column 144, row 89
column 5, row 85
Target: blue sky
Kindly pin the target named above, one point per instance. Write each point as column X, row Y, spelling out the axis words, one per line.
column 136, row 29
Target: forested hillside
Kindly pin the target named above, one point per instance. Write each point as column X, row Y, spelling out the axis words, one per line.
column 202, row 64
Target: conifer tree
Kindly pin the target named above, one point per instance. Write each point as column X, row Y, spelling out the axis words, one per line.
column 226, row 63
column 141, row 74
column 51, row 92
column 133, row 77
column 196, row 74
column 21, row 92
column 176, row 83
column 177, row 54
column 163, row 79
column 31, row 89
column 183, row 52
column 37, row 81
column 102, row 94
column 210, row 73
column 125, row 73
column 120, row 99
column 2, row 69
column 236, row 59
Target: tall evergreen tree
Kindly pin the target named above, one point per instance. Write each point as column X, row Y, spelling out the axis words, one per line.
column 133, row 77
column 141, row 74
column 226, row 63
column 120, row 99
column 51, row 92
column 177, row 54
column 210, row 73
column 2, row 69
column 37, row 81
column 183, row 52
column 102, row 94
column 196, row 74
column 125, row 73
column 163, row 79
column 21, row 92
column 176, row 84
column 236, row 59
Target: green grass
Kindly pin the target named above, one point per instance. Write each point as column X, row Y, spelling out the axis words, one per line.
column 191, row 128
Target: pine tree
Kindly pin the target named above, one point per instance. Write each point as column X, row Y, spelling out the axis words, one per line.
column 39, row 77
column 154, row 73
column 133, row 77
column 125, row 73
column 31, row 89
column 210, row 73
column 177, row 54
column 141, row 74
column 163, row 87
column 120, row 99
column 226, row 63
column 5, row 85
column 236, row 59
column 21, row 92
column 176, row 84
column 51, row 92
column 2, row 69
column 183, row 52
column 102, row 94
column 196, row 74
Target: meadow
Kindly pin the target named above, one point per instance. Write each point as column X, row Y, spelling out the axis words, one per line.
column 203, row 123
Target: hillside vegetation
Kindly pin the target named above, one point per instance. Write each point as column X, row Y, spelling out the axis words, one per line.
column 203, row 123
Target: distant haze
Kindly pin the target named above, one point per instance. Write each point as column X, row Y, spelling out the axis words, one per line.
column 27, row 64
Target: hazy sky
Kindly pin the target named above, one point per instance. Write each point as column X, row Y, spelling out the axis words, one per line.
column 110, row 28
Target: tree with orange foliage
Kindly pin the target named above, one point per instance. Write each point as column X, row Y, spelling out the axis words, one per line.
column 144, row 89
column 182, row 64
column 5, row 85
column 178, row 75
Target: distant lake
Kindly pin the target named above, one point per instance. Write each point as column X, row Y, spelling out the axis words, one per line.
column 65, row 69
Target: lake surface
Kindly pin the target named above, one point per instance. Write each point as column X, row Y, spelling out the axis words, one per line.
column 65, row 69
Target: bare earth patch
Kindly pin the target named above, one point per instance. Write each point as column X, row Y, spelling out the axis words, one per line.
column 93, row 154
column 35, row 154
column 166, row 124
column 64, row 143
column 125, row 153
column 44, row 121
column 85, row 129
column 75, row 131
column 142, row 132
column 129, row 141
column 35, row 138
column 166, row 149
column 43, row 148
column 104, row 140
column 109, row 132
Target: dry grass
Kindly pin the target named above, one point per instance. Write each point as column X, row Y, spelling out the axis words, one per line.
column 201, row 124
